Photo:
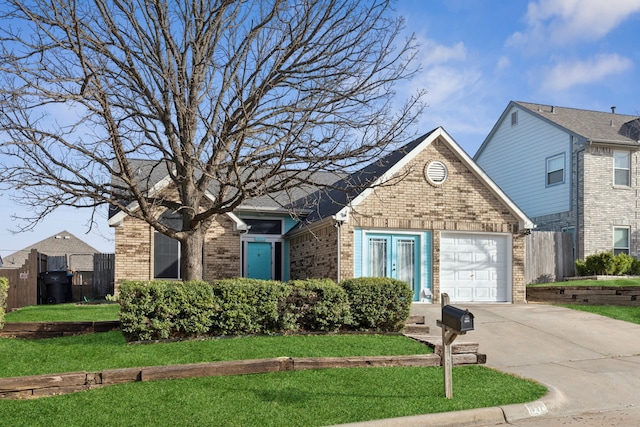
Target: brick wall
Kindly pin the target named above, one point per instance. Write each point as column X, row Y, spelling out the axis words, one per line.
column 314, row 254
column 222, row 253
column 463, row 203
column 134, row 250
column 607, row 206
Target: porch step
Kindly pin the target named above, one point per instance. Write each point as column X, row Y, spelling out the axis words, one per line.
column 415, row 329
column 415, row 325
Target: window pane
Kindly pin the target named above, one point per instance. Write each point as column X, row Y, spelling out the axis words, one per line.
column 555, row 177
column 557, row 163
column 264, row 226
column 621, row 237
column 406, row 261
column 622, row 177
column 622, row 159
column 166, row 257
column 377, row 257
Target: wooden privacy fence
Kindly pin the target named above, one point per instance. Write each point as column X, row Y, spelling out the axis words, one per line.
column 548, row 257
column 25, row 289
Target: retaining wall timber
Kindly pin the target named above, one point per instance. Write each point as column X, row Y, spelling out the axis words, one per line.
column 587, row 295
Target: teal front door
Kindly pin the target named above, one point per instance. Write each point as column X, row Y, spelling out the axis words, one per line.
column 259, row 260
column 395, row 256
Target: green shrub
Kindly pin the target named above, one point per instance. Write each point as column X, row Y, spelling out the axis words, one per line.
column 165, row 309
column 622, row 264
column 316, row 305
column 635, row 267
column 581, row 268
column 4, row 292
column 597, row 264
column 378, row 303
column 168, row 309
column 606, row 263
column 247, row 306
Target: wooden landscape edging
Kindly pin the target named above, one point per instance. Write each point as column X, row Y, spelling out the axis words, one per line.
column 55, row 329
column 53, row 384
column 29, row 387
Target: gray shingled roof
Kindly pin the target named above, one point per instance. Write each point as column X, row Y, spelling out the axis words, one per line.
column 327, row 202
column 79, row 254
column 597, row 126
column 151, row 172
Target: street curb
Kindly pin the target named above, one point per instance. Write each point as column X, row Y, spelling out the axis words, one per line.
column 470, row 417
column 495, row 415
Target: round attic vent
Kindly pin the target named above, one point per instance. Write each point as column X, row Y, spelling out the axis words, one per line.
column 436, row 172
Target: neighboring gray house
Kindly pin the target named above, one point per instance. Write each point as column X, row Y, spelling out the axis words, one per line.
column 570, row 170
column 65, row 252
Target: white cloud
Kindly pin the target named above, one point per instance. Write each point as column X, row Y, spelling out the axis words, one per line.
column 446, row 73
column 434, row 53
column 561, row 22
column 567, row 74
column 503, row 63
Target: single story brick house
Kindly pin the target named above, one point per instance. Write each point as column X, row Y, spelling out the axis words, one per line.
column 425, row 214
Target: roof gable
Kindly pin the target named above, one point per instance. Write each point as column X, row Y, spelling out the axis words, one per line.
column 351, row 191
column 592, row 126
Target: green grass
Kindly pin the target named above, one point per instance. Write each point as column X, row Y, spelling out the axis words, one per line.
column 64, row 313
column 614, row 283
column 109, row 350
column 628, row 314
column 294, row 398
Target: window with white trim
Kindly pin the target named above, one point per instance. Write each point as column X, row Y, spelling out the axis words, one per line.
column 620, row 240
column 621, row 168
column 555, row 170
column 514, row 118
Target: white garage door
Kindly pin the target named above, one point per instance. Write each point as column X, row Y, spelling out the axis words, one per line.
column 475, row 267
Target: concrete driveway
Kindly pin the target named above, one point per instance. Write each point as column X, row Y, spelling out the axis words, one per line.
column 590, row 363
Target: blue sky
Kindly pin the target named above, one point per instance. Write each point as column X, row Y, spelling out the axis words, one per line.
column 476, row 56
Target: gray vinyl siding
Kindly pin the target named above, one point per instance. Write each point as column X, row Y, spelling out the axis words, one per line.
column 515, row 158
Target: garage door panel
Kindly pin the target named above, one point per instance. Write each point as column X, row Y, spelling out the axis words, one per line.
column 475, row 267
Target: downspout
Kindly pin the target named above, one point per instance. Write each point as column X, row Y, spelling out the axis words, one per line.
column 580, row 181
column 338, row 224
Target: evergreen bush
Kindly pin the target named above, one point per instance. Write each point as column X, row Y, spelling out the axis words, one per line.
column 378, row 303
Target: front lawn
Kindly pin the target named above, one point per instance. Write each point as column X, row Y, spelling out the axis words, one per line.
column 626, row 313
column 64, row 313
column 109, row 350
column 294, row 398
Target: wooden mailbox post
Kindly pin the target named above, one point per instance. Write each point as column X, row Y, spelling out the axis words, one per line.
column 454, row 322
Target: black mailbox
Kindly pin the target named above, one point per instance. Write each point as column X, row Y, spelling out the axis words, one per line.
column 457, row 319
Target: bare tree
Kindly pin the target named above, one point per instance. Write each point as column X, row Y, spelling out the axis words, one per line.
column 232, row 99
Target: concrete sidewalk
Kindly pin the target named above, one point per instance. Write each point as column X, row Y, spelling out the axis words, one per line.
column 590, row 363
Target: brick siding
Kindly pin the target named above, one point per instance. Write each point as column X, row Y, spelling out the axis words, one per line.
column 463, row 203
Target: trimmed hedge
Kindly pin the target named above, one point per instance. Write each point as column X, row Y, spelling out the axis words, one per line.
column 317, row 305
column 378, row 303
column 247, row 306
column 168, row 309
column 4, row 292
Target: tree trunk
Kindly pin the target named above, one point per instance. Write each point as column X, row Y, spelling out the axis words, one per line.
column 192, row 255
